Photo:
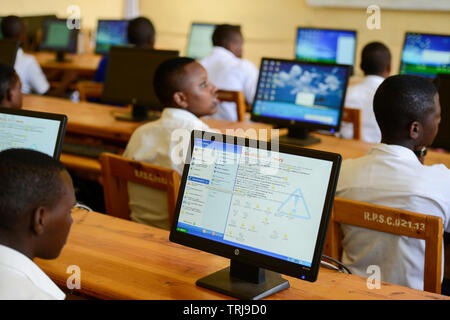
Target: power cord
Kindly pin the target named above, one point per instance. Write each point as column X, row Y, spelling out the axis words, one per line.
column 341, row 267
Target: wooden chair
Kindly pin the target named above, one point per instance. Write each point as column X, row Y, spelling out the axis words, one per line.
column 236, row 97
column 89, row 89
column 393, row 221
column 117, row 171
column 353, row 116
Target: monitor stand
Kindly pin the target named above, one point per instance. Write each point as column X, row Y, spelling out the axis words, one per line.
column 299, row 137
column 60, row 57
column 138, row 114
column 244, row 281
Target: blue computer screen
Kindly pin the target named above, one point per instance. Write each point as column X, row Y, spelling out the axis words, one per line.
column 326, row 46
column 109, row 33
column 425, row 54
column 305, row 92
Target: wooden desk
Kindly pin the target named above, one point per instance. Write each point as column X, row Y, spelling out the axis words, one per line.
column 84, row 64
column 120, row 259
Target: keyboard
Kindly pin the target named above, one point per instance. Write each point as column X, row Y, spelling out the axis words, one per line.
column 84, row 150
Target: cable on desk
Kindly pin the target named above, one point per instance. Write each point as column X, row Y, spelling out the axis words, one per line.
column 82, row 206
column 341, row 265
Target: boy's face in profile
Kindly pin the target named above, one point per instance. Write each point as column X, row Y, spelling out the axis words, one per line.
column 16, row 94
column 431, row 123
column 200, row 94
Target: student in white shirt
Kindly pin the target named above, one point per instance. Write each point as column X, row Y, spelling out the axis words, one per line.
column 228, row 71
column 376, row 65
column 30, row 73
column 182, row 86
column 36, row 198
column 392, row 174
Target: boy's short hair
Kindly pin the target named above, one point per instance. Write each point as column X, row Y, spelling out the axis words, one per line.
column 29, row 179
column 375, row 58
column 401, row 100
column 11, row 27
column 8, row 78
column 170, row 78
column 140, row 30
column 224, row 33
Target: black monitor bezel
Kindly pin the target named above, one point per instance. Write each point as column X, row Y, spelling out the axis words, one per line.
column 190, row 35
column 404, row 43
column 247, row 256
column 291, row 123
column 107, row 98
column 62, row 118
column 73, row 41
column 327, row 29
column 12, row 42
column 97, row 51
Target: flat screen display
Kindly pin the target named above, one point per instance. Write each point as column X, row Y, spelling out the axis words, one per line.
column 110, row 33
column 200, row 40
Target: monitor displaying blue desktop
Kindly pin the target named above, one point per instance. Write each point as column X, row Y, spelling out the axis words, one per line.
column 200, row 40
column 425, row 54
column 300, row 94
column 326, row 45
column 26, row 129
column 110, row 33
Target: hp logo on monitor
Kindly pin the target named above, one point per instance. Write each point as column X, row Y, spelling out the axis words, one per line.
column 236, row 252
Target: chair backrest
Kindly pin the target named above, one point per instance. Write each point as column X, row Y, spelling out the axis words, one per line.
column 354, row 116
column 117, row 171
column 89, row 89
column 236, row 97
column 393, row 221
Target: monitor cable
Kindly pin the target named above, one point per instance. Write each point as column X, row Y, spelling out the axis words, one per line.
column 341, row 267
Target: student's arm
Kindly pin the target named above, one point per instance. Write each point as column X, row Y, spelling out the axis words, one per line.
column 68, row 77
column 251, row 82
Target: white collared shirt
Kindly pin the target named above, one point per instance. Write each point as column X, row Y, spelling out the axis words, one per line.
column 360, row 96
column 391, row 175
column 228, row 72
column 153, row 143
column 31, row 75
column 22, row 279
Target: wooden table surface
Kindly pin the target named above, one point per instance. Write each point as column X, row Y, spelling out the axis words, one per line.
column 120, row 259
column 85, row 64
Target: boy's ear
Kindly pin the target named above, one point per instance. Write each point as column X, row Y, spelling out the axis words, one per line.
column 415, row 130
column 180, row 100
column 38, row 221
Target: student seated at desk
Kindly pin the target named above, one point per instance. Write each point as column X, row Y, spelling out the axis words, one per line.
column 392, row 174
column 36, row 199
column 10, row 88
column 182, row 86
column 228, row 71
column 141, row 33
column 376, row 65
column 30, row 73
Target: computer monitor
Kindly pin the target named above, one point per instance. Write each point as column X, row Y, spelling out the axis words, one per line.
column 34, row 26
column 27, row 129
column 334, row 46
column 129, row 80
column 200, row 40
column 442, row 139
column 58, row 37
column 110, row 33
column 263, row 206
column 302, row 96
column 425, row 54
column 1, row 34
column 8, row 51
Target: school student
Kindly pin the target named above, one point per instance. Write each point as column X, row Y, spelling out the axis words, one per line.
column 182, row 86
column 10, row 88
column 31, row 75
column 392, row 174
column 140, row 32
column 228, row 71
column 376, row 65
column 36, row 198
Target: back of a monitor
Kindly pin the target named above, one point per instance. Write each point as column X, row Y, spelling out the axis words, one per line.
column 8, row 51
column 129, row 76
column 443, row 137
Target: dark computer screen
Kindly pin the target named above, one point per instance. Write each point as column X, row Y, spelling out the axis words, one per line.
column 1, row 34
column 442, row 139
column 326, row 45
column 200, row 40
column 8, row 51
column 39, row 131
column 259, row 204
column 129, row 75
column 300, row 94
column 56, row 36
column 425, row 54
column 110, row 33
column 34, row 25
